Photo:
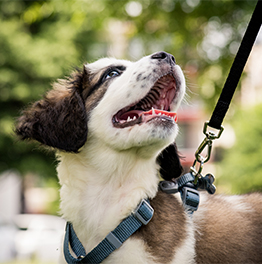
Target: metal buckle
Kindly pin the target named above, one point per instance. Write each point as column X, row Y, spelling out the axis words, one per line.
column 210, row 134
column 207, row 142
column 147, row 214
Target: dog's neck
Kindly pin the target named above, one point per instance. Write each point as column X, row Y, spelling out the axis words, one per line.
column 101, row 186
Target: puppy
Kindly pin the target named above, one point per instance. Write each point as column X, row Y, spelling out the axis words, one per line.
column 113, row 127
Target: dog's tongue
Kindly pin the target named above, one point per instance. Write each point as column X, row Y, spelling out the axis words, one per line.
column 161, row 112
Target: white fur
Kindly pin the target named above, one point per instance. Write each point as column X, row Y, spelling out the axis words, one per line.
column 116, row 168
column 186, row 252
column 124, row 91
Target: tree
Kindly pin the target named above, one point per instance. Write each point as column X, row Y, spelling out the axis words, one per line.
column 241, row 167
column 42, row 40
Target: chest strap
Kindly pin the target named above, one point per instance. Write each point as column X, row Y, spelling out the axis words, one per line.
column 141, row 216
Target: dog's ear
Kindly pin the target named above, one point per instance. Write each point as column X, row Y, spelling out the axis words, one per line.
column 58, row 120
column 169, row 161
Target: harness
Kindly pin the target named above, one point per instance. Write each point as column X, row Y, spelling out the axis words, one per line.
column 141, row 216
column 189, row 183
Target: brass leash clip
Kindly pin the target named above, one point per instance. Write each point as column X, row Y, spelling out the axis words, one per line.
column 206, row 143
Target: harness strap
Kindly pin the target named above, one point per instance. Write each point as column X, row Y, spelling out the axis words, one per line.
column 141, row 216
column 188, row 191
column 237, row 68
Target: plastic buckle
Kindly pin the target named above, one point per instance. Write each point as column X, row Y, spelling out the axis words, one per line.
column 168, row 187
column 144, row 212
column 113, row 240
column 190, row 198
column 206, row 183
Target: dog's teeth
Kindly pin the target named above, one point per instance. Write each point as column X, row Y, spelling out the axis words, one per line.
column 128, row 119
column 162, row 107
column 153, row 110
column 134, row 118
column 159, row 114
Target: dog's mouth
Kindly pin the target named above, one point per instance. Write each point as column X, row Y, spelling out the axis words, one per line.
column 156, row 104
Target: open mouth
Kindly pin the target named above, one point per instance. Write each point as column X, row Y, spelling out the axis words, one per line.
column 156, row 104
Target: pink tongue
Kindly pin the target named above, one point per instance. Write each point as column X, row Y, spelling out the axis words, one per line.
column 162, row 112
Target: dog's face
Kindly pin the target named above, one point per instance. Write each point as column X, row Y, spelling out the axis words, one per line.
column 138, row 107
column 121, row 103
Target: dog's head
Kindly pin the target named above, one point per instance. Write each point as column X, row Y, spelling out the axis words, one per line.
column 126, row 105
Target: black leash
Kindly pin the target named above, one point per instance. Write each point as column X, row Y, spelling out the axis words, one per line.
column 228, row 90
column 237, row 68
column 189, row 183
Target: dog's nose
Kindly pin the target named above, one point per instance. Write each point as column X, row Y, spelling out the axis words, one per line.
column 162, row 55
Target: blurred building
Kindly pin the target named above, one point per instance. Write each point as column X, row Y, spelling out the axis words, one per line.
column 10, row 206
column 10, row 195
column 251, row 88
column 27, row 236
column 191, row 119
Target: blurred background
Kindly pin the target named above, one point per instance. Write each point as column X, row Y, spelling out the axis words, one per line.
column 41, row 41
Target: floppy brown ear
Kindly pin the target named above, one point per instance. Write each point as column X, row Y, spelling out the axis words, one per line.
column 169, row 161
column 58, row 120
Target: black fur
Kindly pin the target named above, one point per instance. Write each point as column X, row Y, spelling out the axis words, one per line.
column 169, row 161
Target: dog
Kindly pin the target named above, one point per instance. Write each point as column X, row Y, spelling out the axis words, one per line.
column 113, row 126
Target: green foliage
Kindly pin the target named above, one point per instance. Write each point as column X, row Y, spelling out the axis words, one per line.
column 241, row 167
column 42, row 40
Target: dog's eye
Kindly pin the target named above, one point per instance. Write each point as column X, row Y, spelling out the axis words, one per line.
column 112, row 74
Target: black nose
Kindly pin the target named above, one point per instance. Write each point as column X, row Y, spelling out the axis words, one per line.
column 162, row 55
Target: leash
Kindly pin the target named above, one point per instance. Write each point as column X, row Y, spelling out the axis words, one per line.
column 189, row 183
column 237, row 67
column 141, row 216
column 227, row 93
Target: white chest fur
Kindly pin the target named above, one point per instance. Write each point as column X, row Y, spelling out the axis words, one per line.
column 95, row 196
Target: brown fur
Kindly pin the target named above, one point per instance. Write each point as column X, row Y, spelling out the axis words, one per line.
column 59, row 120
column 228, row 231
column 166, row 231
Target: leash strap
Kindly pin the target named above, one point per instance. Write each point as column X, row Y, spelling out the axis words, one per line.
column 224, row 101
column 141, row 216
column 237, row 68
